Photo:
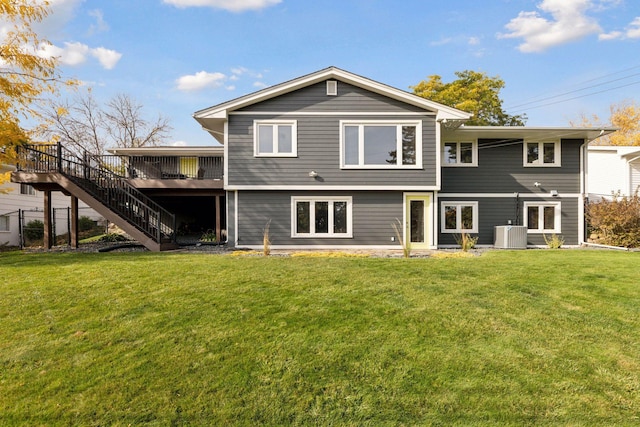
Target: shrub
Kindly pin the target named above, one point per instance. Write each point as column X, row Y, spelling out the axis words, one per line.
column 553, row 242
column 616, row 222
column 34, row 230
column 406, row 247
column 113, row 237
column 85, row 223
column 466, row 242
column 266, row 241
column 208, row 236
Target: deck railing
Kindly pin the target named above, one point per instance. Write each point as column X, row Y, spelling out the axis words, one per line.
column 106, row 183
column 162, row 167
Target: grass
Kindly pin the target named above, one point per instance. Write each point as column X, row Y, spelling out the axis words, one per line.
column 508, row 338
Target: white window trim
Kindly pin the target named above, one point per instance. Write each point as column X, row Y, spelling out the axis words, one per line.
column 557, row 154
column 557, row 220
column 398, row 124
column 474, row 154
column 275, row 124
column 312, row 200
column 458, row 205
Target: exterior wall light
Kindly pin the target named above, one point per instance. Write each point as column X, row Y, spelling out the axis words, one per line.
column 313, row 174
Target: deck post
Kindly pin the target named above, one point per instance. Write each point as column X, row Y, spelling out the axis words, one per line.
column 48, row 228
column 218, row 218
column 73, row 232
column 59, row 155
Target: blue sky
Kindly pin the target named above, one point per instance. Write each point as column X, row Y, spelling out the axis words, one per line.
column 178, row 56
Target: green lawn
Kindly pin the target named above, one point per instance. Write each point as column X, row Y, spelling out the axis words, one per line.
column 535, row 337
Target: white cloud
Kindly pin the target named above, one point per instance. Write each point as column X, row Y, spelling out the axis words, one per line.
column 633, row 31
column 100, row 24
column 473, row 41
column 441, row 42
column 76, row 53
column 179, row 143
column 569, row 22
column 259, row 85
column 72, row 54
column 200, row 80
column 230, row 5
column 108, row 58
column 613, row 35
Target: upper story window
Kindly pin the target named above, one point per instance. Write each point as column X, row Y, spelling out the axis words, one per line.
column 381, row 144
column 542, row 153
column 460, row 154
column 275, row 138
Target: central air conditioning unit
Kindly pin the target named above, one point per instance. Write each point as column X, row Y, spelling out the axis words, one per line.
column 510, row 237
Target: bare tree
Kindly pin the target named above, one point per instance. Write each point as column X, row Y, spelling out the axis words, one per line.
column 83, row 125
column 127, row 128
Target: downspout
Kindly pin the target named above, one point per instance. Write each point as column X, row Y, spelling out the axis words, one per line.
column 584, row 195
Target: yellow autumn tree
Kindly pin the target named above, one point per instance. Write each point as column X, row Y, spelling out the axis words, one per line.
column 625, row 116
column 25, row 73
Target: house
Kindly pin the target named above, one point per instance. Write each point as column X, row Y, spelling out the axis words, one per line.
column 613, row 169
column 335, row 160
column 21, row 204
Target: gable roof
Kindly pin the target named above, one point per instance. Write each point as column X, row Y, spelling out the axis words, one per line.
column 212, row 119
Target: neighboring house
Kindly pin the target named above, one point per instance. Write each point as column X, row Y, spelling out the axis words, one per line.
column 613, row 169
column 333, row 160
column 21, row 202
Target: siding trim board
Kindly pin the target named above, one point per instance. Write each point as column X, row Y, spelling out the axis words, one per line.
column 331, row 113
column 335, row 187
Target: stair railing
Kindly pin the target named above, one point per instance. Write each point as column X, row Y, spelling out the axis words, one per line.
column 106, row 185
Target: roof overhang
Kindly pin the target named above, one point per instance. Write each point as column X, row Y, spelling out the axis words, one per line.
column 529, row 133
column 212, row 119
column 189, row 151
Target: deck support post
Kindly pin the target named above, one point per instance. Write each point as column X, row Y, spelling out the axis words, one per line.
column 218, row 231
column 73, row 232
column 48, row 223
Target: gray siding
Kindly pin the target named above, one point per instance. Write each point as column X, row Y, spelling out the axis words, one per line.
column 493, row 211
column 314, row 98
column 500, row 170
column 319, row 144
column 373, row 214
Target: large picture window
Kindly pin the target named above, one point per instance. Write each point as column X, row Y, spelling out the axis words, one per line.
column 275, row 138
column 459, row 217
column 381, row 144
column 542, row 217
column 542, row 153
column 321, row 217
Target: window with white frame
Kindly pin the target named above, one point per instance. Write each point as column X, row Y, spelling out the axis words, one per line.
column 4, row 223
column 460, row 154
column 542, row 153
column 321, row 217
column 381, row 144
column 27, row 189
column 274, row 138
column 459, row 217
column 542, row 217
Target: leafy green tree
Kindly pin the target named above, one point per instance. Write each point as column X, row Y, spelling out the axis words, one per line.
column 473, row 92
